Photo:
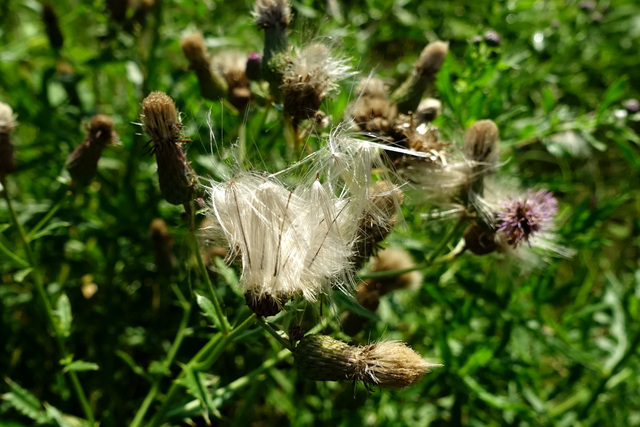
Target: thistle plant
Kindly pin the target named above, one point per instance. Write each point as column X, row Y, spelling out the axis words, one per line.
column 338, row 238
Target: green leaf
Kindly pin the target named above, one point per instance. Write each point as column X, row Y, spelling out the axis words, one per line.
column 24, row 402
column 63, row 313
column 22, row 274
column 616, row 91
column 208, row 309
column 81, row 366
column 353, row 306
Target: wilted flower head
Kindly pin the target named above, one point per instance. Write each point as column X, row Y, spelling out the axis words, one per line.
column 427, row 110
column 389, row 364
column 373, row 111
column 82, row 163
column 161, row 123
column 520, row 219
column 311, row 75
column 272, row 13
column 431, row 58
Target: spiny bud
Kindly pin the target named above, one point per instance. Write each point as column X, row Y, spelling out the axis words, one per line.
column 162, row 245
column 389, row 364
column 7, row 123
column 422, row 78
column 212, row 84
column 82, row 163
column 378, row 220
column 52, row 27
column 160, row 121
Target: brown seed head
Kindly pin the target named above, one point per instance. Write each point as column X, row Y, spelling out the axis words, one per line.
column 431, row 58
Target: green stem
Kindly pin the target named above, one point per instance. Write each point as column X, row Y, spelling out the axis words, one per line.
column 42, row 294
column 215, row 346
column 221, row 317
column 166, row 363
column 445, row 241
column 48, row 216
column 286, row 344
column 13, row 256
column 631, row 350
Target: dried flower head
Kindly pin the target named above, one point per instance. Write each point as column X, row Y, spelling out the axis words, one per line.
column 389, row 364
column 82, row 163
column 520, row 219
column 422, row 78
column 7, row 124
column 377, row 220
column 373, row 111
column 212, row 84
column 161, row 123
column 311, row 75
column 481, row 143
column 272, row 13
column 431, row 58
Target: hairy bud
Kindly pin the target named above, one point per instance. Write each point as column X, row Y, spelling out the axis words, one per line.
column 160, row 121
column 212, row 84
column 422, row 78
column 389, row 364
column 82, row 163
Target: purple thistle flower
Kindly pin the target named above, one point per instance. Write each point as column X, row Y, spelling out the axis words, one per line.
column 519, row 219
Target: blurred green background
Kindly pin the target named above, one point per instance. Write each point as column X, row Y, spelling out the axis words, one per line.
column 549, row 344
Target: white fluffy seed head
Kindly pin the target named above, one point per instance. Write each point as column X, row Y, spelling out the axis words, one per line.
column 289, row 241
